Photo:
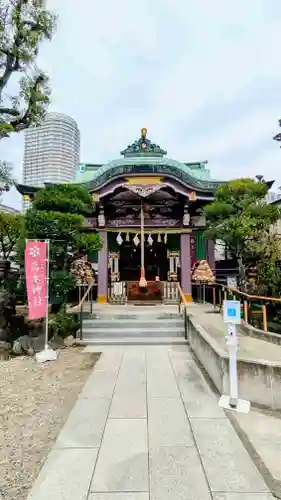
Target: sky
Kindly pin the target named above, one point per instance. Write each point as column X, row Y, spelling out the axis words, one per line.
column 204, row 77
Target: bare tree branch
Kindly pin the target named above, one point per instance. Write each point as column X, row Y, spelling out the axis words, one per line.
column 24, row 24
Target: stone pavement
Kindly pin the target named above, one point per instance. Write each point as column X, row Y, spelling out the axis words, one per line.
column 147, row 427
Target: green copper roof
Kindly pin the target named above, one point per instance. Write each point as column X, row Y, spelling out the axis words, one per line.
column 143, row 152
column 85, row 172
column 198, row 172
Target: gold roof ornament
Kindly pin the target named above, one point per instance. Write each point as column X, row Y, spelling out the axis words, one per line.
column 143, row 145
column 192, row 196
column 95, row 197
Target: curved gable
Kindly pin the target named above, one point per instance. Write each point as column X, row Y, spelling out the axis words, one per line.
column 147, row 158
column 148, row 166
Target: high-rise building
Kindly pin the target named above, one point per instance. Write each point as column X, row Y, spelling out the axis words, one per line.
column 51, row 151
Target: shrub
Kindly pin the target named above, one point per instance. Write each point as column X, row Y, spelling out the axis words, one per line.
column 65, row 324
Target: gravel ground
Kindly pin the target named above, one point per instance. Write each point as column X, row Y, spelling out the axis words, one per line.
column 35, row 400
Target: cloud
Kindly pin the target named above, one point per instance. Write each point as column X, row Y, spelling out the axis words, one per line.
column 202, row 76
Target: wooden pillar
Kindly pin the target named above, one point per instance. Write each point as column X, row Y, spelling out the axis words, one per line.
column 186, row 266
column 103, row 270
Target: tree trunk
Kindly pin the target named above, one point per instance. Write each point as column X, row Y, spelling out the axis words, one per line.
column 242, row 274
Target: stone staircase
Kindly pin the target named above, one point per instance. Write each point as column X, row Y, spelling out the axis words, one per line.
column 125, row 325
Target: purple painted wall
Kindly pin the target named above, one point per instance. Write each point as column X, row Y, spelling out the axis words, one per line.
column 185, row 263
column 103, row 266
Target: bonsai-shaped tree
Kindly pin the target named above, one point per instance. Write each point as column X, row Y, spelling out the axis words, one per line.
column 58, row 214
column 24, row 89
column 240, row 217
column 24, row 24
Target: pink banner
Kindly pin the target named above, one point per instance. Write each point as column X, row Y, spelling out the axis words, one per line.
column 36, row 278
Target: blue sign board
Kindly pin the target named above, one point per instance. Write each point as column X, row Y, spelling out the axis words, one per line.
column 231, row 311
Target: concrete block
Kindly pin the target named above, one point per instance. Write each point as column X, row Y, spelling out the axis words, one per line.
column 129, row 405
column 123, row 459
column 227, row 464
column 85, row 424
column 198, row 399
column 66, row 475
column 167, row 423
column 176, row 474
column 100, row 384
column 157, row 360
column 109, row 361
column 161, row 384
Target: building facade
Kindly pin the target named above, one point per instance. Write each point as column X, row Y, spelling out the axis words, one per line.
column 144, row 193
column 51, row 151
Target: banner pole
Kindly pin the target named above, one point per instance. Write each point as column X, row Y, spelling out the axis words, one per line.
column 47, row 295
column 48, row 354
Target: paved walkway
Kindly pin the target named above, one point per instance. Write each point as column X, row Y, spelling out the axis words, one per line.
column 147, row 427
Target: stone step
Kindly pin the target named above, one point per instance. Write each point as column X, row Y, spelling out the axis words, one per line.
column 133, row 316
column 134, row 341
column 167, row 309
column 132, row 332
column 129, row 323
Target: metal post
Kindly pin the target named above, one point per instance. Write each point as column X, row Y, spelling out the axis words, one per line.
column 185, row 323
column 47, row 294
column 214, row 297
column 81, row 321
column 232, row 347
column 91, row 305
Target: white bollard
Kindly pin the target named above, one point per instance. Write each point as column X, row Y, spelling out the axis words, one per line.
column 233, row 377
column 232, row 317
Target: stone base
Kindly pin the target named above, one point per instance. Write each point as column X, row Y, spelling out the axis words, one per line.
column 259, row 381
column 102, row 299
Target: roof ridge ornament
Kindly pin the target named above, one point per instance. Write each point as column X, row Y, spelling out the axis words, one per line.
column 143, row 146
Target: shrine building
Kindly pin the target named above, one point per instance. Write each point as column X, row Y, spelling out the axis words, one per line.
column 170, row 195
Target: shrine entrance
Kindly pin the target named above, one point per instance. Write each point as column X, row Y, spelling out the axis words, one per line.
column 155, row 257
column 162, row 267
